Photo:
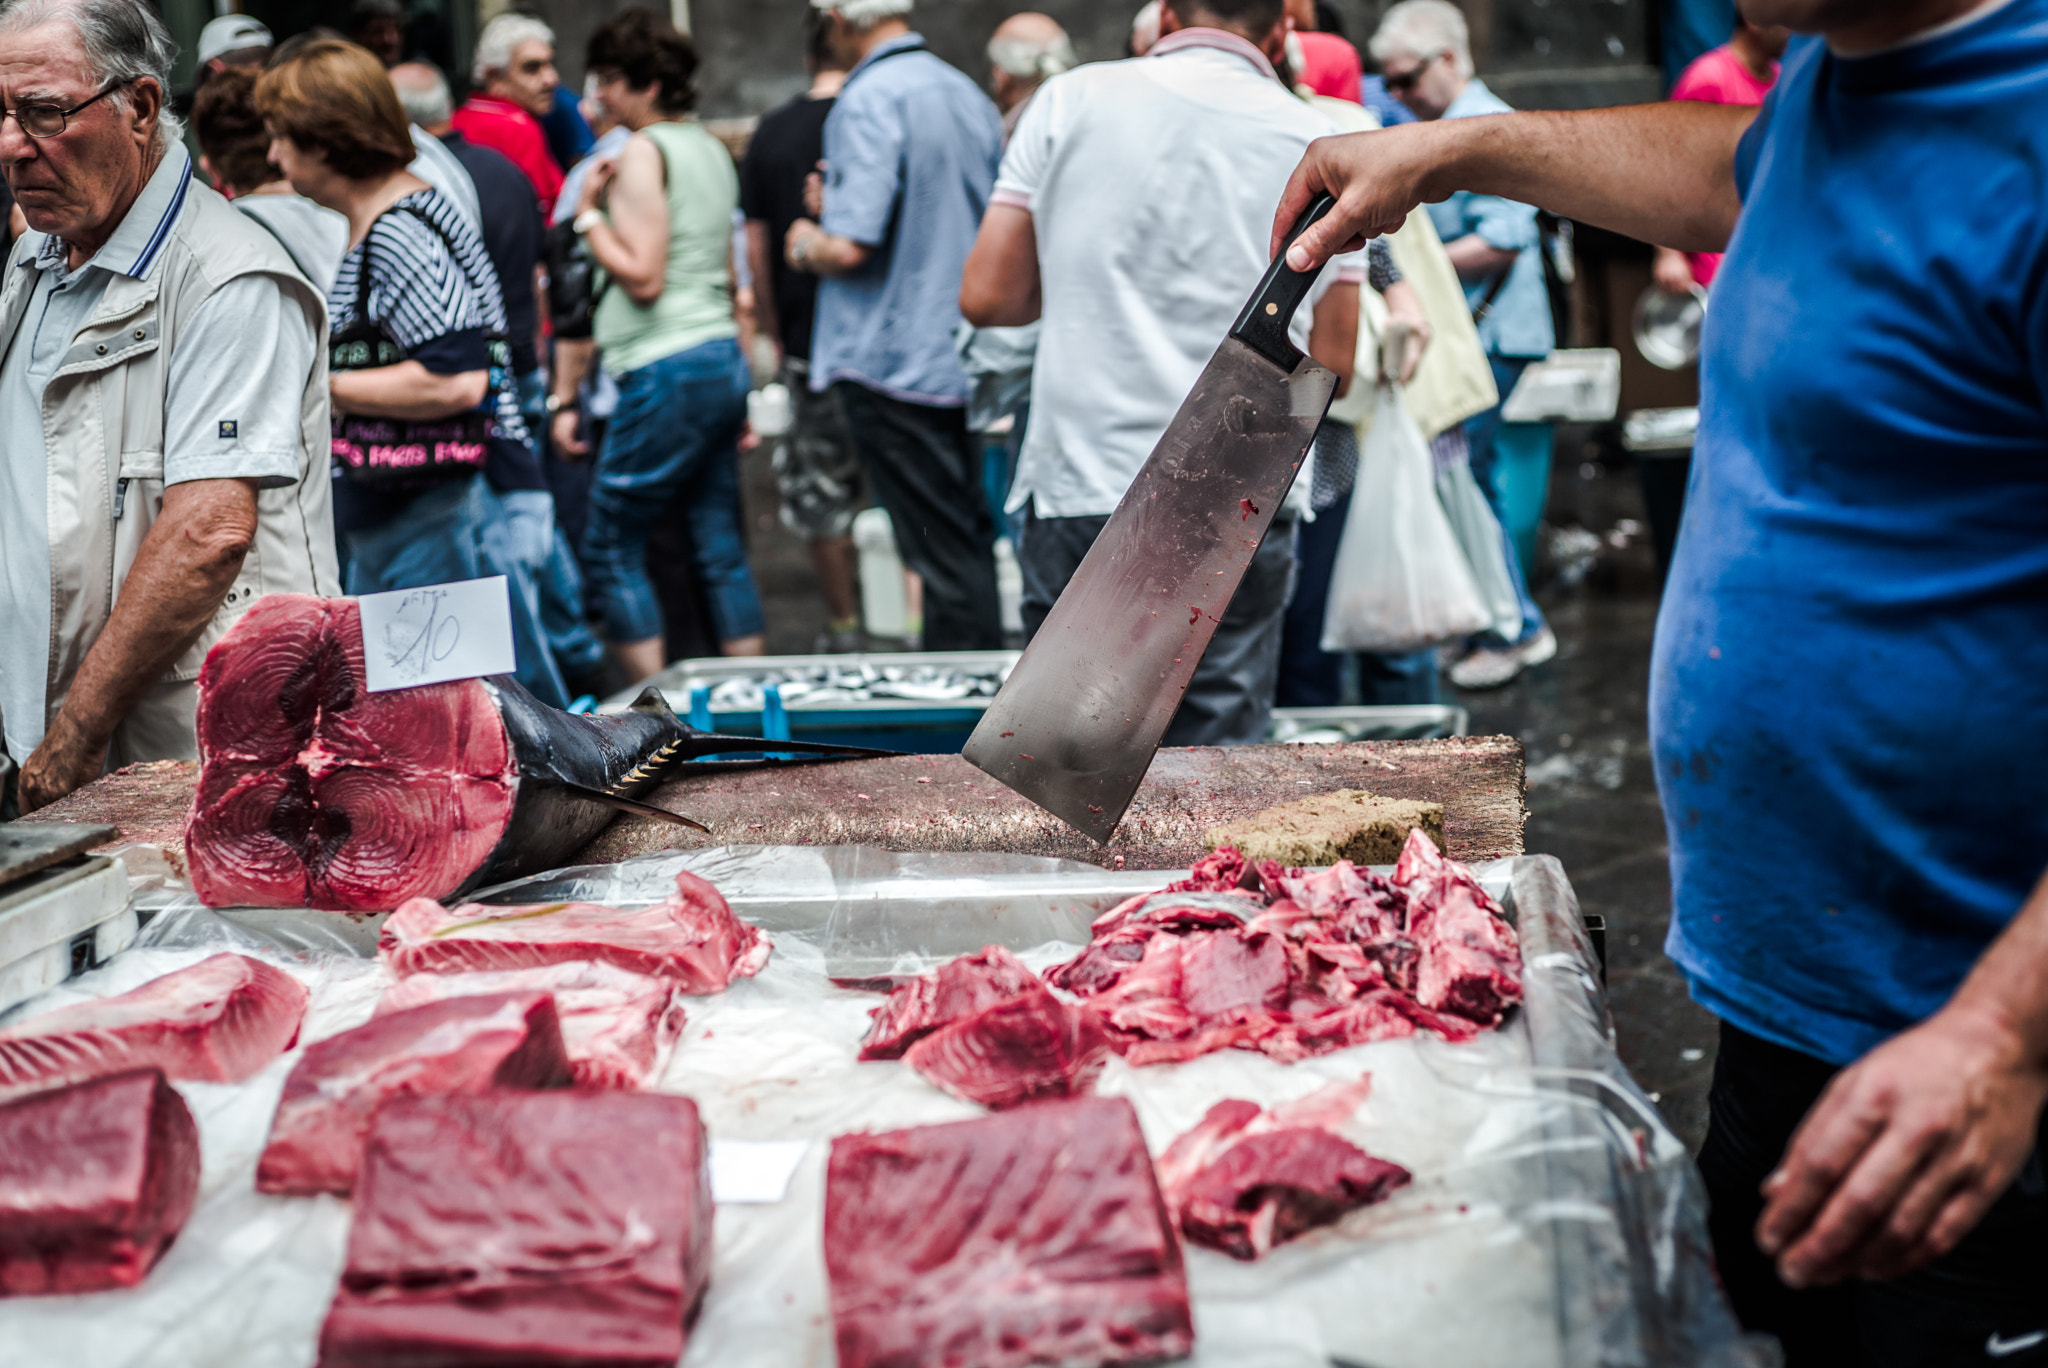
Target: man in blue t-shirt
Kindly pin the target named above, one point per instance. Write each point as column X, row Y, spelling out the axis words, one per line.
column 1849, row 694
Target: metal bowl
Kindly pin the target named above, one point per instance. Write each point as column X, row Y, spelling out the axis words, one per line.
column 1667, row 326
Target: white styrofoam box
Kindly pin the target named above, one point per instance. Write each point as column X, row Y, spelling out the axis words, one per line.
column 1582, row 386
column 40, row 917
column 883, row 606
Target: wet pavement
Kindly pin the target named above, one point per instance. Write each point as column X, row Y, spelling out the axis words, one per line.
column 1592, row 794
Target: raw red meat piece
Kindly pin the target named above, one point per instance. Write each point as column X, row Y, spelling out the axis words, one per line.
column 464, row 1044
column 1469, row 963
column 957, row 988
column 1245, row 1179
column 618, row 1028
column 1035, row 1236
column 1195, row 993
column 1019, row 1050
column 693, row 938
column 1220, row 871
column 315, row 792
column 96, row 1180
column 530, row 1229
column 218, row 1021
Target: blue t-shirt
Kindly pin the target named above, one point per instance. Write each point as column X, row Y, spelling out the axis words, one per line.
column 911, row 149
column 1518, row 323
column 1849, row 693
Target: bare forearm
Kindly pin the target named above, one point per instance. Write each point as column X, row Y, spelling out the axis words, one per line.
column 572, row 364
column 2009, row 986
column 1475, row 258
column 1001, row 286
column 1333, row 334
column 407, row 390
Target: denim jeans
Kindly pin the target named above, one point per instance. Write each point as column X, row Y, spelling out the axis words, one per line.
column 674, row 437
column 540, row 544
column 1481, row 432
column 458, row 531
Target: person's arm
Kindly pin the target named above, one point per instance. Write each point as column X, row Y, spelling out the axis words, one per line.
column 1404, row 305
column 1662, row 173
column 572, row 362
column 1333, row 333
column 631, row 243
column 1477, row 259
column 810, row 248
column 182, row 572
column 1672, row 272
column 1001, row 286
column 759, row 259
column 1909, row 1146
column 407, row 390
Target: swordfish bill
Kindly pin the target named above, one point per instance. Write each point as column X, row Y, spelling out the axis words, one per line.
column 1076, row 724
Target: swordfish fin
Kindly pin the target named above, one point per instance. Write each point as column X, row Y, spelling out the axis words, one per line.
column 638, row 809
column 653, row 702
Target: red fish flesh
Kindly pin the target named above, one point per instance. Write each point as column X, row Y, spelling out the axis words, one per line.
column 957, row 988
column 96, row 1180
column 1023, row 1048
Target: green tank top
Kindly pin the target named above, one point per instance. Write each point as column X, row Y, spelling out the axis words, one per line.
column 696, row 300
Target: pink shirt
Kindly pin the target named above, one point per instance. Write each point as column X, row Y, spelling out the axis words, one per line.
column 1330, row 66
column 503, row 126
column 1719, row 77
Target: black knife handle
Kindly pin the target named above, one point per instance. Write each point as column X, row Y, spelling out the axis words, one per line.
column 1263, row 324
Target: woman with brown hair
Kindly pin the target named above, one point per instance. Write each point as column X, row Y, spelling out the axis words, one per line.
column 423, row 399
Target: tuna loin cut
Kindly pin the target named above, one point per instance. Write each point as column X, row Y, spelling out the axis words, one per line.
column 693, row 939
column 1036, row 1236
column 1244, row 1179
column 218, row 1021
column 527, row 1228
column 618, row 1029
column 95, row 1182
column 1019, row 1050
column 462, row 1044
column 957, row 988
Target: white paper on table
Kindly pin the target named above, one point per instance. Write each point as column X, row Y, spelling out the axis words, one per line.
column 754, row 1170
column 437, row 633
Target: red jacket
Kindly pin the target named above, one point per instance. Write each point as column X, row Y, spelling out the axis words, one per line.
column 491, row 122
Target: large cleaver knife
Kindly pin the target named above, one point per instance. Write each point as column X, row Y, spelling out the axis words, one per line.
column 1075, row 726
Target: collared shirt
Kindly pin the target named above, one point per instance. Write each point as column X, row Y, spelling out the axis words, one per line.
column 1151, row 185
column 1518, row 324
column 492, row 122
column 911, row 148
column 237, row 374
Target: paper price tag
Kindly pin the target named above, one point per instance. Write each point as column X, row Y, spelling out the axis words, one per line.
column 754, row 1170
column 437, row 633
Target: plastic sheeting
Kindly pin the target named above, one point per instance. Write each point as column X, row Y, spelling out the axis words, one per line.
column 1553, row 1218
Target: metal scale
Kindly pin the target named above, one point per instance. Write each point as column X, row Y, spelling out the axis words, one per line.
column 62, row 910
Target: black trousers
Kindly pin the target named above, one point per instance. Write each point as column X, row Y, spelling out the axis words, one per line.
column 1229, row 702
column 927, row 474
column 1985, row 1302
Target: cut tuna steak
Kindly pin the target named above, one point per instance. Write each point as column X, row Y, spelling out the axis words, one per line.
column 315, row 792
column 693, row 939
column 96, row 1180
column 1036, row 1236
column 464, row 1044
column 618, row 1029
column 1245, row 1179
column 530, row 1229
column 1023, row 1048
column 957, row 988
column 1469, row 962
column 217, row 1021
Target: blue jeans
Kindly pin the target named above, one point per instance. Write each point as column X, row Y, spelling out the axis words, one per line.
column 1481, row 431
column 458, row 531
column 1311, row 677
column 674, row 437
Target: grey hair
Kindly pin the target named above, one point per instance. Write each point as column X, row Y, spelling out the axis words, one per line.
column 429, row 108
column 124, row 41
column 494, row 45
column 1424, row 28
column 1027, row 60
column 865, row 14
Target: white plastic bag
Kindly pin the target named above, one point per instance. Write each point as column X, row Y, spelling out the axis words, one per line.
column 1401, row 581
column 1486, row 553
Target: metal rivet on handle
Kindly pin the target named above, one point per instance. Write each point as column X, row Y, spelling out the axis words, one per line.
column 1272, row 308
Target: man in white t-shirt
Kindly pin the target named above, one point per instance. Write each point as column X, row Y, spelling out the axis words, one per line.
column 1132, row 215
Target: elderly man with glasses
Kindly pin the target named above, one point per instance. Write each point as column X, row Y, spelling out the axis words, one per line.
column 163, row 407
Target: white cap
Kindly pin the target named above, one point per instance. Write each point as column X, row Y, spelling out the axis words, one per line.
column 230, row 33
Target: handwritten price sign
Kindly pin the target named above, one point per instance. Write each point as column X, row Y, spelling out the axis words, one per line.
column 437, row 633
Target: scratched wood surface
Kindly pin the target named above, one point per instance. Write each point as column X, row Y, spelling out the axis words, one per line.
column 940, row 802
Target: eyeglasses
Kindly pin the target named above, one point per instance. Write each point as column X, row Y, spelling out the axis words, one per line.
column 41, row 119
column 1396, row 82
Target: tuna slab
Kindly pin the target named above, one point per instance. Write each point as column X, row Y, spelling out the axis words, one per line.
column 218, row 1021
column 618, row 1028
column 529, row 1229
column 1036, row 1236
column 1021, row 1049
column 957, row 988
column 461, row 1044
column 693, row 939
column 95, row 1182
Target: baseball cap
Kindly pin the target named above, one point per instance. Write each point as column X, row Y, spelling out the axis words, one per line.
column 230, row 33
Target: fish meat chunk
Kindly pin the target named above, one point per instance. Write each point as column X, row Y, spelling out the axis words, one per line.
column 618, row 1028
column 957, row 988
column 525, row 1228
column 1020, row 1050
column 1469, row 963
column 1246, row 1179
column 217, row 1021
column 692, row 939
column 1033, row 1236
column 462, row 1044
column 96, row 1180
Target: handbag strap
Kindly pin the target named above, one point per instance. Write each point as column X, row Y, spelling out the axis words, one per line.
column 1500, row 282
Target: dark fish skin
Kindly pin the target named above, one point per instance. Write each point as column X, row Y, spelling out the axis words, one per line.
column 564, row 760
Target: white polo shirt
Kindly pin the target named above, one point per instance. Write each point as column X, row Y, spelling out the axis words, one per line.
column 1151, row 185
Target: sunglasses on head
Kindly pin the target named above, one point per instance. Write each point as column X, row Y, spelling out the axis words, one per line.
column 1402, row 81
